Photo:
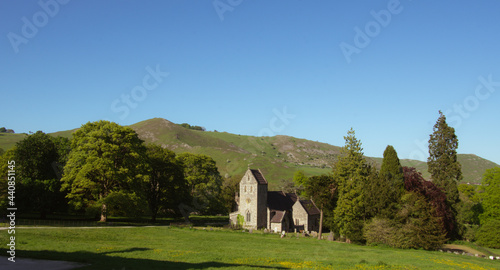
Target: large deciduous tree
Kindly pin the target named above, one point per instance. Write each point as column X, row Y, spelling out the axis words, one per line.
column 163, row 182
column 204, row 183
column 103, row 160
column 491, row 196
column 489, row 233
column 38, row 177
column 322, row 189
column 443, row 165
column 351, row 173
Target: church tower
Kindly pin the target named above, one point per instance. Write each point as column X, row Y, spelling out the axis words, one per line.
column 253, row 199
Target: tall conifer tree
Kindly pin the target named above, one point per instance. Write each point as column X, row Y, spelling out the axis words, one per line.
column 351, row 173
column 443, row 165
column 385, row 190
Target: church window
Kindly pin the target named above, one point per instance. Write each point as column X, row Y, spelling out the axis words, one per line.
column 245, row 189
column 248, row 216
column 251, row 189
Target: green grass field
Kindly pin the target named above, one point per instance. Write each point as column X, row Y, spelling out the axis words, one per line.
column 185, row 248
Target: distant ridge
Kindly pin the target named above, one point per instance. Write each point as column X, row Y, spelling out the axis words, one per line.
column 277, row 157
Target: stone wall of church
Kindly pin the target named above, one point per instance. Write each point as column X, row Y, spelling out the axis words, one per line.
column 300, row 217
column 262, row 206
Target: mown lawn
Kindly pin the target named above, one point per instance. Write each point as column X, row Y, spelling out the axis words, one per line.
column 184, row 248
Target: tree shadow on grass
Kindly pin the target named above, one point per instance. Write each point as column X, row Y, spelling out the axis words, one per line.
column 96, row 261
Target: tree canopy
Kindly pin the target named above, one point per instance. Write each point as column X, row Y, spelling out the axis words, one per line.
column 163, row 183
column 204, row 182
column 38, row 177
column 103, row 159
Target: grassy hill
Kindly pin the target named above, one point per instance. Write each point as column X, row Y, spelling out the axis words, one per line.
column 278, row 157
column 8, row 140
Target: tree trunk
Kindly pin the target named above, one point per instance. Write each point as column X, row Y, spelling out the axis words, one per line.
column 320, row 223
column 103, row 213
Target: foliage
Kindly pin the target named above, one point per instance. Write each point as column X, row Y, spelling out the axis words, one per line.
column 442, row 163
column 103, row 159
column 420, row 227
column 489, row 234
column 204, row 182
column 469, row 208
column 163, row 183
column 414, row 182
column 38, row 184
column 188, row 126
column 240, row 220
column 124, row 204
column 230, row 187
column 491, row 195
column 351, row 173
column 380, row 231
column 322, row 189
column 386, row 188
column 4, row 130
column 300, row 180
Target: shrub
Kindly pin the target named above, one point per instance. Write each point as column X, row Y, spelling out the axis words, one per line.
column 489, row 234
column 380, row 231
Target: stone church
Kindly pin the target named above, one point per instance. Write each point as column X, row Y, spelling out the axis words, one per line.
column 275, row 210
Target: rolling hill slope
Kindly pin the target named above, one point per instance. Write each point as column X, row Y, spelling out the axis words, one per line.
column 278, row 157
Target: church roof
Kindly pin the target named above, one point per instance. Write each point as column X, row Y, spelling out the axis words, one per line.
column 278, row 200
column 278, row 217
column 259, row 177
column 310, row 207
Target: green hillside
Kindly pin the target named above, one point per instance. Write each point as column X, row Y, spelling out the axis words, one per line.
column 8, row 140
column 278, row 157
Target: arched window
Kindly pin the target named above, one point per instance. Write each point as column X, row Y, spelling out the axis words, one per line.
column 248, row 216
column 251, row 189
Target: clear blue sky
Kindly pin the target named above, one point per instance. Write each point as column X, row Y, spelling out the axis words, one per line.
column 238, row 66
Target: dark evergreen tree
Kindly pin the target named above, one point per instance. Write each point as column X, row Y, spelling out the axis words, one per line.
column 443, row 165
column 419, row 225
column 387, row 187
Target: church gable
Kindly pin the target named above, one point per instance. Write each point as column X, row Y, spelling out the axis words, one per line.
column 253, row 177
column 259, row 177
